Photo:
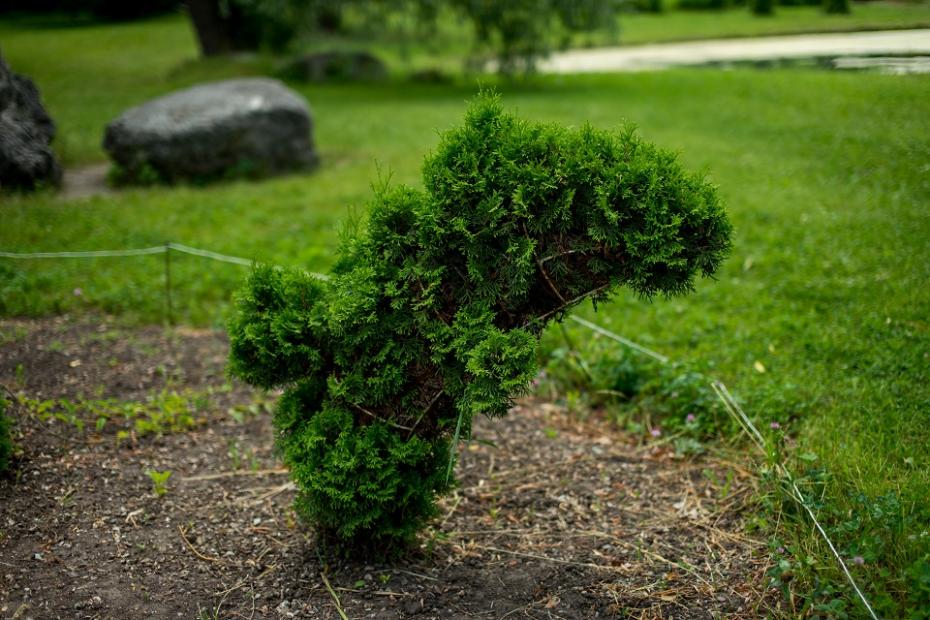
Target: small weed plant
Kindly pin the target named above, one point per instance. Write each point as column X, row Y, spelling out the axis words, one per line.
column 241, row 459
column 641, row 395
column 869, row 533
column 436, row 304
column 159, row 481
column 6, row 438
column 167, row 411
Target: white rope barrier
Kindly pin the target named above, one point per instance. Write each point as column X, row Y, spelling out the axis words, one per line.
column 629, row 343
column 750, row 428
column 186, row 249
column 164, row 249
column 159, row 249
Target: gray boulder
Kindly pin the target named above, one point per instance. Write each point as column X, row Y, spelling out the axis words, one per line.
column 26, row 133
column 336, row 65
column 242, row 127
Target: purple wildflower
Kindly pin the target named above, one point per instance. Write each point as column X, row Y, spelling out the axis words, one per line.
column 858, row 560
column 690, row 418
column 656, row 432
column 78, row 292
column 774, row 426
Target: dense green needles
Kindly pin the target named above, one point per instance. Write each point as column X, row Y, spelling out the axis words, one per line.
column 435, row 308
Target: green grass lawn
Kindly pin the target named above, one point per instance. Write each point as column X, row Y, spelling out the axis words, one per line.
column 131, row 72
column 826, row 177
column 739, row 22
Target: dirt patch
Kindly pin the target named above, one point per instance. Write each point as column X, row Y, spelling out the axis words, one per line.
column 85, row 181
column 557, row 519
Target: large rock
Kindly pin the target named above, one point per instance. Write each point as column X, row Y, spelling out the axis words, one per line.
column 243, row 127
column 26, row 133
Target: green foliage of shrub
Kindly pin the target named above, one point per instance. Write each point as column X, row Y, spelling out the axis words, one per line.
column 435, row 306
column 6, row 441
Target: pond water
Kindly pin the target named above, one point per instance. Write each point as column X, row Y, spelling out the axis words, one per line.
column 889, row 65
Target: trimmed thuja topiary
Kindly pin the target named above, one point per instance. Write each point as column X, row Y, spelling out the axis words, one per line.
column 434, row 308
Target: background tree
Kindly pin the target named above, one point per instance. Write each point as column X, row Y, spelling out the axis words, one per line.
column 519, row 32
column 762, row 7
column 225, row 26
column 97, row 9
column 836, row 6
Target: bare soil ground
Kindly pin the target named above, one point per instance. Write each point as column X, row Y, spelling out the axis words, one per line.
column 85, row 181
column 558, row 519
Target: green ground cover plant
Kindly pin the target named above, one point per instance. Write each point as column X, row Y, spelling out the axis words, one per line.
column 435, row 306
column 159, row 481
column 166, row 411
column 6, row 438
column 825, row 178
column 670, row 400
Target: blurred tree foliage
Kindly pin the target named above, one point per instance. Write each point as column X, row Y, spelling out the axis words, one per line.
column 762, row 7
column 836, row 6
column 225, row 26
column 517, row 33
column 96, row 9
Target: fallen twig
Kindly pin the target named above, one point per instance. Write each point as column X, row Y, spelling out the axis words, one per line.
column 332, row 593
column 455, row 505
column 206, row 558
column 544, row 558
column 287, row 486
column 376, row 592
column 400, row 570
column 234, row 474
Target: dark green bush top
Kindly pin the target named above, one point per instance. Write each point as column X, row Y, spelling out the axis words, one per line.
column 434, row 308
